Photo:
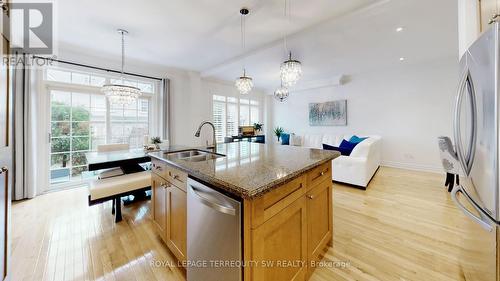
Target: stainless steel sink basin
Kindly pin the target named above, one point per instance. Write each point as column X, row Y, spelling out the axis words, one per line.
column 193, row 155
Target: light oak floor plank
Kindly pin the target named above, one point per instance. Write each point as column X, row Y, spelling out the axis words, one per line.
column 403, row 227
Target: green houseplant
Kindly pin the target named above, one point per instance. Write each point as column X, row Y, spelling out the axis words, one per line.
column 278, row 131
column 155, row 140
column 257, row 127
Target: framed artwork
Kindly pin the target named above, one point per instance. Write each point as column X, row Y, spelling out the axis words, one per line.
column 332, row 113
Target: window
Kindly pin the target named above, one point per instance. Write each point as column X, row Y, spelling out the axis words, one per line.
column 219, row 117
column 244, row 112
column 77, row 123
column 229, row 113
column 232, row 117
column 130, row 123
column 81, row 119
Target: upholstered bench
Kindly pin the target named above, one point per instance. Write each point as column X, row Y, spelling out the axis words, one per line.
column 102, row 190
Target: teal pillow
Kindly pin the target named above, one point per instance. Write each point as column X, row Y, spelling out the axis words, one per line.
column 356, row 139
column 285, row 139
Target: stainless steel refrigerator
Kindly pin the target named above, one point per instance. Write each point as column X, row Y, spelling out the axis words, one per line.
column 476, row 134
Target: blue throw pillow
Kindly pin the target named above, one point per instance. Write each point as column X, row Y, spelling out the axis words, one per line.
column 356, row 139
column 348, row 146
column 285, row 139
column 342, row 151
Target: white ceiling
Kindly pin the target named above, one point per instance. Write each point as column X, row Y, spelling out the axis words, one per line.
column 363, row 41
column 330, row 37
column 194, row 35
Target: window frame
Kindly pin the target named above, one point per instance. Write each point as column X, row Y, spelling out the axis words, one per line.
column 47, row 86
column 252, row 102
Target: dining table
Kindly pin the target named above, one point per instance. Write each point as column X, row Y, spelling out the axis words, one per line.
column 128, row 160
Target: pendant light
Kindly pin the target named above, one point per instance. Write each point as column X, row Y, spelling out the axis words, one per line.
column 121, row 94
column 244, row 84
column 281, row 94
column 291, row 70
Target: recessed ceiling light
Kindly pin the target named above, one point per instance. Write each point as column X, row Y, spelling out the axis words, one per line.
column 401, row 59
column 399, row 29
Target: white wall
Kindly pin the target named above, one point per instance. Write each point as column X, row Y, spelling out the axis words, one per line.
column 409, row 106
column 468, row 24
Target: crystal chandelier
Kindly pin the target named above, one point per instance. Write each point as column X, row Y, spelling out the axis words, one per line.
column 244, row 84
column 120, row 93
column 281, row 94
column 291, row 71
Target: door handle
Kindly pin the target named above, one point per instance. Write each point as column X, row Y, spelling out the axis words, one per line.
column 211, row 204
column 480, row 220
column 4, row 170
column 471, row 154
column 465, row 163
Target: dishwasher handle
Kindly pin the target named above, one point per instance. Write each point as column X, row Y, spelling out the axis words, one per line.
column 213, row 205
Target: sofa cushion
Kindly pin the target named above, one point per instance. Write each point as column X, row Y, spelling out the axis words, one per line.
column 342, row 151
column 295, row 140
column 356, row 139
column 333, row 140
column 347, row 146
column 313, row 141
column 285, row 139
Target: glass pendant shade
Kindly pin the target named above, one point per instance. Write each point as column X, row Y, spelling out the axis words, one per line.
column 244, row 84
column 121, row 94
column 281, row 94
column 291, row 71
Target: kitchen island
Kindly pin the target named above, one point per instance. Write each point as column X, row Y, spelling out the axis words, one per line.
column 286, row 203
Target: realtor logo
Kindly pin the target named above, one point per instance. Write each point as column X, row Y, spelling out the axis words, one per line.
column 31, row 28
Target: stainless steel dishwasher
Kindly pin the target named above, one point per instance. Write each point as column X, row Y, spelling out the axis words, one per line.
column 213, row 235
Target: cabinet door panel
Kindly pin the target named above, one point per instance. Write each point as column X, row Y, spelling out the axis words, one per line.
column 177, row 221
column 488, row 9
column 281, row 238
column 159, row 208
column 320, row 224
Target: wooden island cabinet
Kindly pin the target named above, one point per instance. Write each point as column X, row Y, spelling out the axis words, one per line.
column 286, row 229
column 169, row 207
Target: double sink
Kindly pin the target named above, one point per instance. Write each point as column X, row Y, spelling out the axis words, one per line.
column 193, row 155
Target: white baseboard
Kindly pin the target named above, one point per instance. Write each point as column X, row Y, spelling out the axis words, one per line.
column 412, row 166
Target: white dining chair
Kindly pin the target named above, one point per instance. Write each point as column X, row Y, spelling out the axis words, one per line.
column 112, row 172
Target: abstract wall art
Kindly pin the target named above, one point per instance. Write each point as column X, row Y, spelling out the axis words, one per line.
column 332, row 113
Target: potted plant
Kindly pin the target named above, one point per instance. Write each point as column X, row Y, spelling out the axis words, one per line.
column 156, row 141
column 278, row 131
column 257, row 127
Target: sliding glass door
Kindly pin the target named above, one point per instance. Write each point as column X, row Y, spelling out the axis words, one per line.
column 80, row 121
column 78, row 125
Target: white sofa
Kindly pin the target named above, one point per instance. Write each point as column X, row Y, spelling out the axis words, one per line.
column 356, row 169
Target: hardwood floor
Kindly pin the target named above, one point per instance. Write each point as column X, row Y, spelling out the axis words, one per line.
column 404, row 227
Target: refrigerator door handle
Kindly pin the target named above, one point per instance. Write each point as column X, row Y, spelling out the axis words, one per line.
column 465, row 160
column 482, row 220
column 471, row 153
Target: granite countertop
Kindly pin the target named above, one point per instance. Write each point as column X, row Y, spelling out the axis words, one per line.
column 250, row 169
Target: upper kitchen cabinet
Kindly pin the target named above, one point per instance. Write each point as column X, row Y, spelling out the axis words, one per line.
column 487, row 10
column 473, row 18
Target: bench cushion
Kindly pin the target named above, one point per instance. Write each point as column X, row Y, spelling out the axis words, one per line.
column 109, row 187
